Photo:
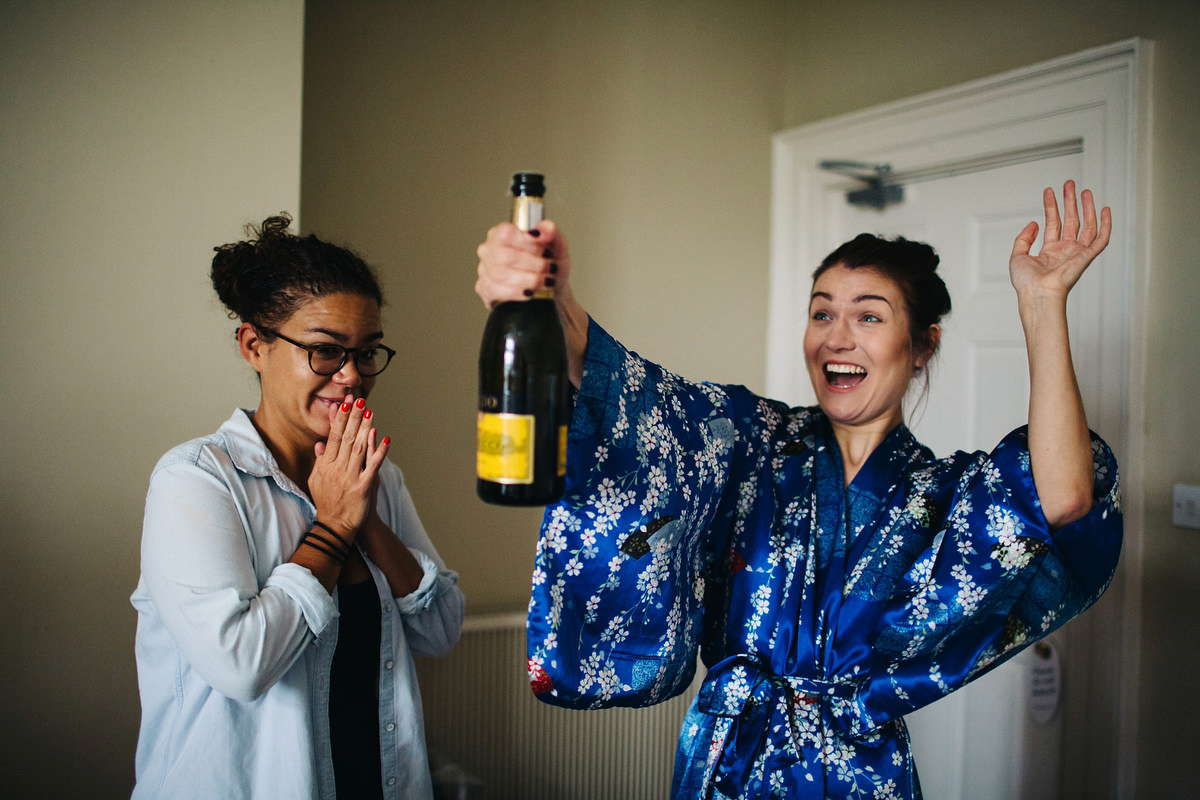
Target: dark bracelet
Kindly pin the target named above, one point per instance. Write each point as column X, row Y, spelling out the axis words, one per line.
column 336, row 544
column 332, row 533
column 338, row 557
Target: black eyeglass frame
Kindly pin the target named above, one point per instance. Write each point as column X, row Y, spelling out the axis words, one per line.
column 311, row 349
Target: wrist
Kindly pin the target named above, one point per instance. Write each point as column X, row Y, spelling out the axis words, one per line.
column 1038, row 306
column 369, row 530
column 322, row 539
column 332, row 526
column 1039, row 296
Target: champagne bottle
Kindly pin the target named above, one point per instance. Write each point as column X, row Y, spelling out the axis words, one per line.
column 523, row 403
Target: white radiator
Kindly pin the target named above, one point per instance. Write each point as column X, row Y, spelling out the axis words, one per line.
column 482, row 717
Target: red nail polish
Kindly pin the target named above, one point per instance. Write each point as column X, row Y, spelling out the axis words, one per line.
column 360, row 402
column 367, row 414
column 345, row 406
column 387, row 440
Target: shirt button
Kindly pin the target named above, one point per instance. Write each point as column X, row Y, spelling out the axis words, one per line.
column 388, row 665
column 391, row 781
column 390, row 727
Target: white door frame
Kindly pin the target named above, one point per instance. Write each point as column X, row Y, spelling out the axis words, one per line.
column 1101, row 97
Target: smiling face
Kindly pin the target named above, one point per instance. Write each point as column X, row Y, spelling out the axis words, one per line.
column 298, row 404
column 858, row 347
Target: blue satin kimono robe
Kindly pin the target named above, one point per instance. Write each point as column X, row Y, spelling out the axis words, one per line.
column 704, row 518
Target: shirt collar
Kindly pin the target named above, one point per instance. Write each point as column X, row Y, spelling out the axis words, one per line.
column 250, row 453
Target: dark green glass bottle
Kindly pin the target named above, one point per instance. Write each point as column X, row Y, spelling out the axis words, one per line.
column 523, row 401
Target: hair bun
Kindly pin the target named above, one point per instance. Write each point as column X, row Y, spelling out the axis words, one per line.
column 265, row 278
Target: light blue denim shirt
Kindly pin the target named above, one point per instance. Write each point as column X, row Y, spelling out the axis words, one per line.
column 234, row 644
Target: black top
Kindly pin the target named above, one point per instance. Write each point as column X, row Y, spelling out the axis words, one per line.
column 354, row 694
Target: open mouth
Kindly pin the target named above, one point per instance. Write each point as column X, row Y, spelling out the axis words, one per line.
column 844, row 376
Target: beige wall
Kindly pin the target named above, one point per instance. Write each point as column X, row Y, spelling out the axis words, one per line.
column 655, row 139
column 134, row 136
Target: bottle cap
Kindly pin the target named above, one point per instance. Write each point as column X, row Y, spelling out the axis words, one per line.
column 529, row 183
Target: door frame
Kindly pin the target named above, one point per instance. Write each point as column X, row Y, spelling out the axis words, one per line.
column 1102, row 97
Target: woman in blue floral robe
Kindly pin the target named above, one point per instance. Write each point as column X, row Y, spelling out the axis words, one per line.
column 832, row 573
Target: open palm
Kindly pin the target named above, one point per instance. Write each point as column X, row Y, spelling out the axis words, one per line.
column 1070, row 244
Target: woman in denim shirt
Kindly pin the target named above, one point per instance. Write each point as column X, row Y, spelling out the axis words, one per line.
column 286, row 579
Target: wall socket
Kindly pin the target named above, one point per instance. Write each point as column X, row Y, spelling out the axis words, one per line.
column 1187, row 506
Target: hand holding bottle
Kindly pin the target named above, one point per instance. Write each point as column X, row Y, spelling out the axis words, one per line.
column 515, row 264
column 523, row 367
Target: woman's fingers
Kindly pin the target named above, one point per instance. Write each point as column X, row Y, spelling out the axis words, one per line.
column 337, row 427
column 352, row 433
column 1095, row 237
column 1070, row 244
column 1025, row 239
column 1070, row 228
column 376, row 452
column 1087, row 233
column 1105, row 232
column 1050, row 207
column 347, row 467
column 515, row 263
column 348, row 433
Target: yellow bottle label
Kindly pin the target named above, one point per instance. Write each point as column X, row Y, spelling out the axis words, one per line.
column 504, row 453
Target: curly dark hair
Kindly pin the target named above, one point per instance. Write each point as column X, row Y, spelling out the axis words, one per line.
column 264, row 279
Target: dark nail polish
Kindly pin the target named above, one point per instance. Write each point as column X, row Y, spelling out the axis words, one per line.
column 553, row 268
column 549, row 281
column 528, row 292
column 535, row 233
column 547, row 253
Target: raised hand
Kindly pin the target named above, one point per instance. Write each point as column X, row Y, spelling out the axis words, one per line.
column 1069, row 245
column 344, row 478
column 1059, row 443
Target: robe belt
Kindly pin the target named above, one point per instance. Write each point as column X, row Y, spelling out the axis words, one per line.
column 745, row 689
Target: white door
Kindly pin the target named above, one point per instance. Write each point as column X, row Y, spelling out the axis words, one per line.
column 979, row 391
column 995, row 145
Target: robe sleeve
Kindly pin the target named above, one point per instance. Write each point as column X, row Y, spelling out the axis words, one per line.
column 620, row 568
column 993, row 577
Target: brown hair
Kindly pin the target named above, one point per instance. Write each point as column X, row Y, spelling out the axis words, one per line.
column 264, row 279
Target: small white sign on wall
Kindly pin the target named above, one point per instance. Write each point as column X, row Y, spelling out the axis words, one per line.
column 1044, row 683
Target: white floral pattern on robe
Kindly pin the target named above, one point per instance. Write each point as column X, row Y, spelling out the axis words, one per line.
column 702, row 518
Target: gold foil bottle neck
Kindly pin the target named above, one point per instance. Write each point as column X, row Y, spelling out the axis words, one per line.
column 527, row 211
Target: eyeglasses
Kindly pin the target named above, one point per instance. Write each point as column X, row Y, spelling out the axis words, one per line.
column 327, row 359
